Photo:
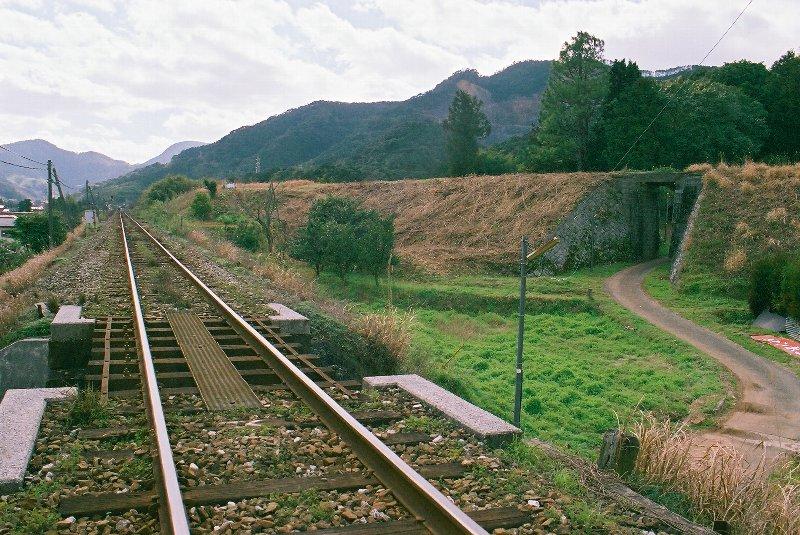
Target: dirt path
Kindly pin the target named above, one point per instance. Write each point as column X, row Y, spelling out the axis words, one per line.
column 767, row 412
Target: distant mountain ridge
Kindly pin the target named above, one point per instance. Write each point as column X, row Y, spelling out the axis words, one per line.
column 74, row 168
column 171, row 151
column 384, row 140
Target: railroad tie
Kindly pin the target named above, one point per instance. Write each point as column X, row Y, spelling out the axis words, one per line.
column 220, row 384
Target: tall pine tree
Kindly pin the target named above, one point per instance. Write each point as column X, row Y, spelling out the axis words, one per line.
column 571, row 105
column 465, row 124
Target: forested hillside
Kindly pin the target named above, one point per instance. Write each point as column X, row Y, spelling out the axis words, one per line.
column 339, row 141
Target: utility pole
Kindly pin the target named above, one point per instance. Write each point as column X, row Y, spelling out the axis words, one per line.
column 50, row 203
column 523, row 279
column 524, row 258
column 258, row 164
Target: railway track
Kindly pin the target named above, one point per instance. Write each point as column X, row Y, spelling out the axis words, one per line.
column 235, row 414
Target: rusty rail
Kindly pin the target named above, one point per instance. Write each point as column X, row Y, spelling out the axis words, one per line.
column 172, row 513
column 434, row 510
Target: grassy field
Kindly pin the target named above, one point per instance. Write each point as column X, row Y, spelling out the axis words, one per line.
column 589, row 363
column 726, row 315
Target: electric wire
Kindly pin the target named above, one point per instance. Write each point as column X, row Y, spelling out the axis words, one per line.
column 21, row 156
column 670, row 99
column 22, row 166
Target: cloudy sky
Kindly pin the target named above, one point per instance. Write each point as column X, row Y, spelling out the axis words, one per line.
column 128, row 78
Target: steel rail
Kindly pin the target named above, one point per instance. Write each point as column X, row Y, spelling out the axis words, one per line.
column 430, row 507
column 172, row 514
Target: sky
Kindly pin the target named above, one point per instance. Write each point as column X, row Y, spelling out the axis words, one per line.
column 128, row 78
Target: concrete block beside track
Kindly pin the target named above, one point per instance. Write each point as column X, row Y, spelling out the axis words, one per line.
column 484, row 424
column 70, row 339
column 21, row 414
column 23, row 364
column 289, row 321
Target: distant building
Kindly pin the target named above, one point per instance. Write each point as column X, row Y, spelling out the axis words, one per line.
column 230, row 185
column 6, row 223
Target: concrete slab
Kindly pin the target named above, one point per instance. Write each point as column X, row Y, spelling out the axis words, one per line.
column 770, row 321
column 70, row 339
column 21, row 414
column 68, row 325
column 484, row 424
column 23, row 364
column 289, row 321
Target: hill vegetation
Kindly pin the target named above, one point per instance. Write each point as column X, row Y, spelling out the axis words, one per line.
column 338, row 141
column 746, row 213
column 446, row 224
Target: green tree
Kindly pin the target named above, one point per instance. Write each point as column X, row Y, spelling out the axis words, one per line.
column 25, row 205
column 375, row 243
column 201, row 207
column 571, row 106
column 790, row 288
column 752, row 78
column 342, row 237
column 211, row 186
column 32, row 231
column 783, row 107
column 12, row 254
column 630, row 105
column 465, row 124
column 707, row 121
column 245, row 234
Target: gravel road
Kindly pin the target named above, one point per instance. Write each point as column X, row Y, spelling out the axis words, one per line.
column 767, row 412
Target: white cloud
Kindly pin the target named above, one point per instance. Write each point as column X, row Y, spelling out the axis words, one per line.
column 129, row 77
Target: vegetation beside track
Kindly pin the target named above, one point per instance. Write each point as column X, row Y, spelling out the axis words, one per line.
column 588, row 361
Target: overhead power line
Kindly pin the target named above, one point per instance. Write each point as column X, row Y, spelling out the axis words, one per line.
column 669, row 101
column 23, row 166
column 21, row 156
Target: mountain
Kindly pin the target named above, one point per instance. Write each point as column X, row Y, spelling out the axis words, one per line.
column 74, row 168
column 171, row 151
column 382, row 140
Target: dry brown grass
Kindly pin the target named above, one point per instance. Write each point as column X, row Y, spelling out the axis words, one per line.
column 747, row 211
column 17, row 280
column 720, row 484
column 392, row 329
column 444, row 224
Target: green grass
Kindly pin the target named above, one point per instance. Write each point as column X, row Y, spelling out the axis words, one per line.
column 588, row 362
column 36, row 328
column 705, row 302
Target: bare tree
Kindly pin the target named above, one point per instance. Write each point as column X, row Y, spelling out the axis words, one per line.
column 264, row 210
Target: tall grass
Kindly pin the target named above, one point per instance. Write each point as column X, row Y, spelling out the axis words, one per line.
column 391, row 328
column 13, row 302
column 19, row 279
column 720, row 484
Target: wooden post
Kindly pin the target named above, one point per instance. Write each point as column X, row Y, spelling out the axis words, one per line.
column 50, row 203
column 619, row 452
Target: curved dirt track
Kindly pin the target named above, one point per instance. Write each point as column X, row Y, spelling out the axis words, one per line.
column 767, row 412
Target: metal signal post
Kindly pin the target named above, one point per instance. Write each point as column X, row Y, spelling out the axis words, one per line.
column 524, row 258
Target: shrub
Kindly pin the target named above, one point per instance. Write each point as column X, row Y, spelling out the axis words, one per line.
column 12, row 254
column 790, row 288
column 201, row 207
column 246, row 234
column 32, row 231
column 342, row 237
column 765, row 283
column 211, row 186
column 88, row 408
column 168, row 187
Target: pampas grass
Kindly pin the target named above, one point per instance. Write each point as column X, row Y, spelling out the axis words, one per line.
column 719, row 483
